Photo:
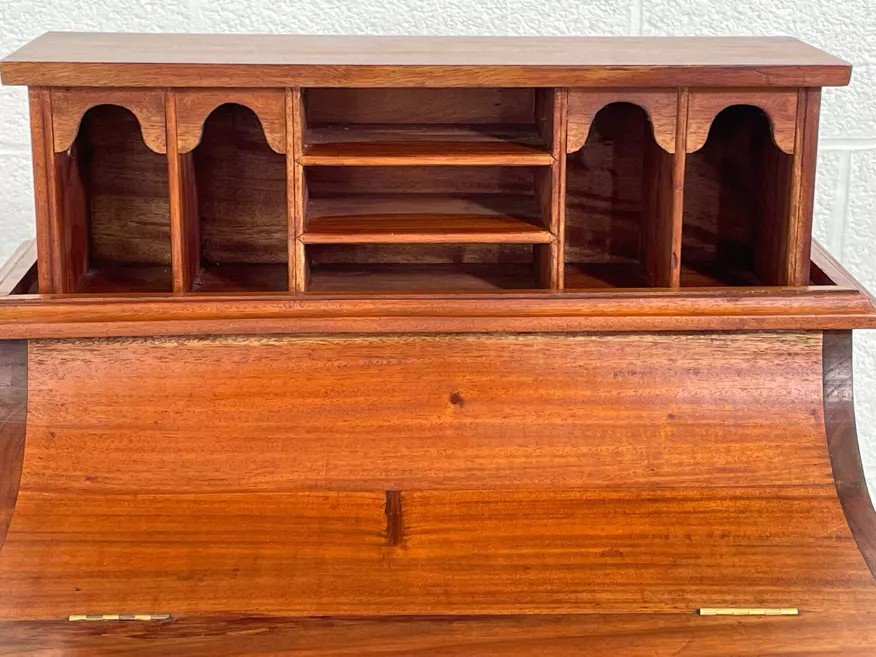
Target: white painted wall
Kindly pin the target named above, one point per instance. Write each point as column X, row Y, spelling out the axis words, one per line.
column 846, row 200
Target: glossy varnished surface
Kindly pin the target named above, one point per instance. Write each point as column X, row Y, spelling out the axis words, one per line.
column 533, row 475
column 59, row 58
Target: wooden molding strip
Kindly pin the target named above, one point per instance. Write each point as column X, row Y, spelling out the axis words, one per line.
column 661, row 106
column 194, row 107
column 779, row 105
column 69, row 106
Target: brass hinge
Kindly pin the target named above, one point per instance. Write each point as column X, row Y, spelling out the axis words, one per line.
column 751, row 611
column 117, row 617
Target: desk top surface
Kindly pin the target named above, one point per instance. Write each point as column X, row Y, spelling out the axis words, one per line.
column 104, row 59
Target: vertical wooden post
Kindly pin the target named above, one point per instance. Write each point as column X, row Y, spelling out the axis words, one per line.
column 803, row 187
column 678, row 168
column 183, row 196
column 43, row 185
column 295, row 128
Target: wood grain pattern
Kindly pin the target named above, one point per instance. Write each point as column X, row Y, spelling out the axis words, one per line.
column 13, row 412
column 780, row 105
column 70, row 105
column 668, row 527
column 241, row 187
column 183, row 207
column 660, row 105
column 538, row 412
column 42, row 155
column 194, row 106
column 70, row 59
column 802, row 194
column 597, row 635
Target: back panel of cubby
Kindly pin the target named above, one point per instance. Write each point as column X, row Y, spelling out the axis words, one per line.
column 126, row 186
column 736, row 200
column 605, row 188
column 420, row 105
column 241, row 190
column 420, row 180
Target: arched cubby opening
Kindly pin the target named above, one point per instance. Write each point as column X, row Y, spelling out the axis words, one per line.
column 614, row 216
column 240, row 191
column 113, row 207
column 736, row 203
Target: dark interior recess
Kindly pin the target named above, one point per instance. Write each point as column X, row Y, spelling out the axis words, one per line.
column 415, row 199
column 241, row 205
column 114, row 199
column 606, row 190
column 481, row 117
column 735, row 203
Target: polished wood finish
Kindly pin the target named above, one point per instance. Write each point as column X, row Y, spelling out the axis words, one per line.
column 70, row 59
column 70, row 105
column 388, row 345
column 13, row 413
column 453, row 539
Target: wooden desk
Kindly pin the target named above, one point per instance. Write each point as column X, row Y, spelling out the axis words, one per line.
column 342, row 345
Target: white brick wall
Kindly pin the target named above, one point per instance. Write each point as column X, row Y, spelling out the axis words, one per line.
column 846, row 199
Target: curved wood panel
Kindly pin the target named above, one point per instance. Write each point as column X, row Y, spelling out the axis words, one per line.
column 70, row 105
column 584, row 104
column 780, row 106
column 526, row 475
column 194, row 106
column 13, row 409
column 842, row 442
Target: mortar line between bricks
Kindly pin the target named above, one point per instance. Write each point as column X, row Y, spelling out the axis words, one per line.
column 843, row 203
column 637, row 17
column 847, row 144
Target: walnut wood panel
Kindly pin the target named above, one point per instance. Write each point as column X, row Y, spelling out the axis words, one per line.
column 241, row 188
column 13, row 410
column 183, row 60
column 461, row 552
column 660, row 105
column 70, row 105
column 780, row 105
column 596, row 635
column 193, row 106
column 508, row 412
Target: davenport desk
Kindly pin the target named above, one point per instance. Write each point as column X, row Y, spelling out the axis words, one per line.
column 494, row 346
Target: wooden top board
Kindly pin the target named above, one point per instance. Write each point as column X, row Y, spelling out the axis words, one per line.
column 197, row 60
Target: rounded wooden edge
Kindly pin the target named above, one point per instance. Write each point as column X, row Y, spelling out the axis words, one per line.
column 66, row 129
column 842, row 442
column 699, row 131
column 577, row 136
column 13, row 415
column 192, row 134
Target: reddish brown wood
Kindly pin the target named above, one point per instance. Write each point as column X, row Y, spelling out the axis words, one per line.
column 596, row 635
column 13, row 413
column 842, row 442
column 70, row 59
column 184, row 224
column 70, row 105
column 42, row 153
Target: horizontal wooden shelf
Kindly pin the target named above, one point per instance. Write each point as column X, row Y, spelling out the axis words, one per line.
column 242, row 277
column 393, row 277
column 424, row 218
column 117, row 278
column 402, row 145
